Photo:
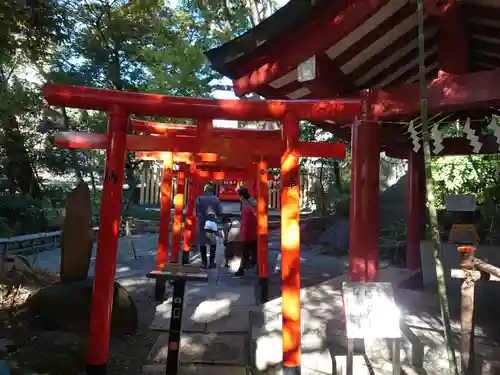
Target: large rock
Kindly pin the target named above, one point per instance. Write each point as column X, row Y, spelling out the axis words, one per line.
column 77, row 236
column 15, row 263
column 312, row 227
column 18, row 273
column 66, row 307
column 337, row 235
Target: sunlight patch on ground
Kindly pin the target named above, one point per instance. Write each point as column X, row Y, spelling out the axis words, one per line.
column 134, row 282
column 212, row 309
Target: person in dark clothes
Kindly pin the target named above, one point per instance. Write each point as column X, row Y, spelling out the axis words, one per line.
column 208, row 207
column 248, row 231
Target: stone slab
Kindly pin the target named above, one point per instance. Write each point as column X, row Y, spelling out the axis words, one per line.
column 204, row 348
column 197, row 293
column 237, row 296
column 229, row 280
column 234, row 319
column 159, row 369
column 192, row 319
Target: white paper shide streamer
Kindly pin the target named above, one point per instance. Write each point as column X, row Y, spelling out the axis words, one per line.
column 496, row 130
column 438, row 139
column 415, row 139
column 470, row 134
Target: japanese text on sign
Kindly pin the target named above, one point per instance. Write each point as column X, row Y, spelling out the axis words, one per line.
column 370, row 311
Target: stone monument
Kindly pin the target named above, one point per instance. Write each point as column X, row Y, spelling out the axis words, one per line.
column 77, row 236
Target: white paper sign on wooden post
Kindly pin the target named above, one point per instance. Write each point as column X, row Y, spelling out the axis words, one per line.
column 371, row 313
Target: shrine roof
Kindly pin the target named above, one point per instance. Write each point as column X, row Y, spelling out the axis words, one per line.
column 269, row 31
column 357, row 44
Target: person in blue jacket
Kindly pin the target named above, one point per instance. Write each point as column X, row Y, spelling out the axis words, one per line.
column 208, row 207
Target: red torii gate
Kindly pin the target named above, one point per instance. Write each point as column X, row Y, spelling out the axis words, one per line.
column 237, row 159
column 207, row 167
column 197, row 174
column 256, row 181
column 206, row 161
column 119, row 105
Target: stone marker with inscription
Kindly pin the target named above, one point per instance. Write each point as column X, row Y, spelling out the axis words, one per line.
column 371, row 314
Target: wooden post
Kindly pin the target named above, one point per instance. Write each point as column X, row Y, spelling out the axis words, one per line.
column 467, row 310
column 430, row 198
column 467, row 272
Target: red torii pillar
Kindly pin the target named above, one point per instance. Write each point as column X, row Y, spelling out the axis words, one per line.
column 415, row 206
column 189, row 221
column 119, row 104
column 165, row 208
column 197, row 189
column 210, row 174
column 178, row 213
column 290, row 247
column 105, row 264
column 164, row 230
column 364, row 210
column 165, row 205
column 262, row 230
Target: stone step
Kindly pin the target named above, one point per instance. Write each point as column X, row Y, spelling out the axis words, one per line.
column 198, row 369
column 424, row 343
column 208, row 316
column 221, row 349
column 211, row 308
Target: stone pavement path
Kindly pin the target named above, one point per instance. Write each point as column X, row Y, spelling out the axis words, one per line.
column 218, row 316
column 216, row 326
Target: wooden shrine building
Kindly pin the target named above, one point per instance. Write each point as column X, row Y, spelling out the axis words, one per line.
column 368, row 49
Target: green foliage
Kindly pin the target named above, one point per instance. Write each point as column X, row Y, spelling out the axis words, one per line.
column 467, row 175
column 136, row 45
column 327, row 179
column 31, row 28
column 478, row 175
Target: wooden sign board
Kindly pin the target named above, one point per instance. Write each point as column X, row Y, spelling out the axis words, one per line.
column 462, row 203
column 370, row 310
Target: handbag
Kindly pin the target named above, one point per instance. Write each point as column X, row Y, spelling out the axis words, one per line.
column 211, row 226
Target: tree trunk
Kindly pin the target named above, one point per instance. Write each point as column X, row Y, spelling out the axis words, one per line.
column 254, row 12
column 94, row 189
column 338, row 180
column 431, row 206
column 74, row 157
column 19, row 168
column 67, row 127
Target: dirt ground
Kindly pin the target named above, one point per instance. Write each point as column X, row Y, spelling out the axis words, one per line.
column 29, row 349
column 128, row 354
